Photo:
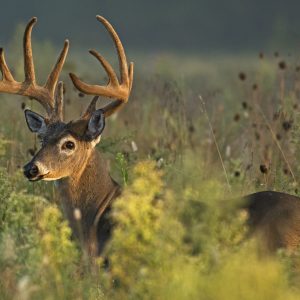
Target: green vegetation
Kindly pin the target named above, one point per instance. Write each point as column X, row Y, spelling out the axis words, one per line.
column 178, row 232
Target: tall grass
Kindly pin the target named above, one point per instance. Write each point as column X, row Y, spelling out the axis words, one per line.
column 178, row 232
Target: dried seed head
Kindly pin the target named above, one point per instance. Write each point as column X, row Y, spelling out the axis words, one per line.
column 134, row 146
column 77, row 214
column 160, row 162
column 237, row 173
column 276, row 116
column 263, row 169
column 191, row 128
column 242, row 76
column 287, row 125
column 257, row 136
column 248, row 167
column 228, row 151
column 282, row 65
column 244, row 105
column 236, row 117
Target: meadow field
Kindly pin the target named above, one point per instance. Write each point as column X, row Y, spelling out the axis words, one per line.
column 199, row 132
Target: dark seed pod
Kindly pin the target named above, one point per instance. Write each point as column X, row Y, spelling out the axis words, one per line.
column 287, row 125
column 81, row 95
column 263, row 169
column 23, row 105
column 286, row 171
column 276, row 116
column 236, row 117
column 242, row 76
column 191, row 128
column 237, row 173
column 261, row 55
column 245, row 105
column 282, row 65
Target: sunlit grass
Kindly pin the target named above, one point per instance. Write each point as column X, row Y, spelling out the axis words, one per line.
column 178, row 232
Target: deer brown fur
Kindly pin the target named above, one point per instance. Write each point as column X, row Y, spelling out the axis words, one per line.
column 275, row 219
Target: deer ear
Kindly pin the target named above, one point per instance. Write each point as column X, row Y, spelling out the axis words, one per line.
column 96, row 125
column 35, row 122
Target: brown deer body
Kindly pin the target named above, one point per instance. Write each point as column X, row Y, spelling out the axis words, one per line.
column 90, row 194
column 275, row 218
column 68, row 155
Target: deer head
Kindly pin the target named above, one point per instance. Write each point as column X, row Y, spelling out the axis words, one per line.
column 66, row 146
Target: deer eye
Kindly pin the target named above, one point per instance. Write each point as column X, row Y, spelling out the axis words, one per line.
column 68, row 145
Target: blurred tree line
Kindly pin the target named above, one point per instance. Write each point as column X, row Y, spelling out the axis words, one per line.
column 193, row 25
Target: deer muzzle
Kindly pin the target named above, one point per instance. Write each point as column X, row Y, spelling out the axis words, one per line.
column 32, row 172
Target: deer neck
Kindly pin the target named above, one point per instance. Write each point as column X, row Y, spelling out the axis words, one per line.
column 90, row 191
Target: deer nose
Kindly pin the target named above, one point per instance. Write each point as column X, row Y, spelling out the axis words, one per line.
column 31, row 170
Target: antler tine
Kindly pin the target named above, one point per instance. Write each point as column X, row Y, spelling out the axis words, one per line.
column 106, row 65
column 119, row 47
column 6, row 74
column 114, row 88
column 54, row 75
column 27, row 48
column 43, row 94
column 58, row 111
column 131, row 68
column 91, row 108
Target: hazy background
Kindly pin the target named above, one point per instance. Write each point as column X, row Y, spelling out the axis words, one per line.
column 168, row 25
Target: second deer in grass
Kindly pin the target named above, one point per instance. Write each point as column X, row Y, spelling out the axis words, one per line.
column 68, row 153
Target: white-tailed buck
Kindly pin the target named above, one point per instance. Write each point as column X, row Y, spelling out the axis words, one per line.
column 68, row 154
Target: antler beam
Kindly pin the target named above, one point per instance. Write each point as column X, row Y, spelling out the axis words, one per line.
column 114, row 89
column 45, row 95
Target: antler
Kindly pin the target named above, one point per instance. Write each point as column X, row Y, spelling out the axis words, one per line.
column 114, row 89
column 43, row 94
